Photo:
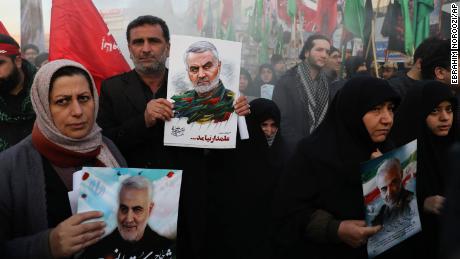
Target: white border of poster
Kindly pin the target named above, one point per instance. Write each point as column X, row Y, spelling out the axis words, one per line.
column 184, row 130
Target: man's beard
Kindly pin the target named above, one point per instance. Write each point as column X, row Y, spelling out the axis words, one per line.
column 157, row 66
column 390, row 203
column 10, row 82
column 312, row 62
column 205, row 88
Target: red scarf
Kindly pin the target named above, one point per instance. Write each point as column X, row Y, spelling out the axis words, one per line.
column 60, row 156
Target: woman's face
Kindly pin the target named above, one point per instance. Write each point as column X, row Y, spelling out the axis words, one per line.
column 378, row 121
column 72, row 106
column 266, row 75
column 439, row 121
column 243, row 82
column 269, row 128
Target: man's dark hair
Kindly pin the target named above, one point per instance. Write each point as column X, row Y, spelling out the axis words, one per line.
column 41, row 58
column 9, row 40
column 334, row 49
column 308, row 45
column 30, row 46
column 439, row 56
column 425, row 47
column 71, row 71
column 275, row 59
column 151, row 20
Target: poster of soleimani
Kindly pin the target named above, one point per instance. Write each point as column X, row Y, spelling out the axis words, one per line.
column 203, row 83
column 389, row 197
column 140, row 209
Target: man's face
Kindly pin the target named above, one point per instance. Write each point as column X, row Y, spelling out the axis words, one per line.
column 148, row 48
column 30, row 55
column 279, row 67
column 443, row 75
column 319, row 54
column 203, row 70
column 133, row 213
column 334, row 61
column 9, row 74
column 388, row 73
column 390, row 186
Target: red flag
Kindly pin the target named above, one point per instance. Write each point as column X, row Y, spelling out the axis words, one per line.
column 79, row 33
column 3, row 29
column 326, row 18
column 308, row 14
column 282, row 11
column 199, row 21
column 227, row 12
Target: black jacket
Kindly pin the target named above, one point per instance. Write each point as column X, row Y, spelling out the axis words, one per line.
column 121, row 116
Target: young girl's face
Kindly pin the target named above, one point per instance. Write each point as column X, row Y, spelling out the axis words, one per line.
column 269, row 128
column 439, row 121
column 266, row 75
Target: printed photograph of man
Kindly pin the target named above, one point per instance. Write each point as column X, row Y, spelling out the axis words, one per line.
column 209, row 100
column 399, row 203
column 133, row 238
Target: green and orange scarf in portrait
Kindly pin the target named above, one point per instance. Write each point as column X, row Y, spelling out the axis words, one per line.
column 215, row 108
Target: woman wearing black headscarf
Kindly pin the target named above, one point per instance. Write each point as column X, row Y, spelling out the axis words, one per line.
column 246, row 85
column 426, row 114
column 320, row 207
column 265, row 116
column 241, row 186
column 355, row 66
column 266, row 76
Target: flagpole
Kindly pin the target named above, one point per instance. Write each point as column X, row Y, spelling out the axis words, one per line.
column 441, row 2
column 374, row 51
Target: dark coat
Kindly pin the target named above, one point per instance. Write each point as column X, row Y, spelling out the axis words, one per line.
column 17, row 117
column 241, row 184
column 410, row 124
column 121, row 116
column 324, row 174
column 288, row 95
column 450, row 226
column 24, row 231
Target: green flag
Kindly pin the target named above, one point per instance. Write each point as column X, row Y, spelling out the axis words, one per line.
column 279, row 45
column 255, row 21
column 291, row 8
column 422, row 21
column 263, row 50
column 354, row 17
column 230, row 33
column 408, row 31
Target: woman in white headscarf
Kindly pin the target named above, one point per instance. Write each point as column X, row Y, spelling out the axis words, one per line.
column 36, row 174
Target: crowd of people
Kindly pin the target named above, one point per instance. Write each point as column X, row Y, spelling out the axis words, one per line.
column 292, row 190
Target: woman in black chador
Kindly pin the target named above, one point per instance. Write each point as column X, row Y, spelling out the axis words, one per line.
column 427, row 114
column 320, row 207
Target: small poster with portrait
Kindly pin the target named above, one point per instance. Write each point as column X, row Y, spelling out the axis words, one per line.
column 140, row 209
column 389, row 197
column 203, row 83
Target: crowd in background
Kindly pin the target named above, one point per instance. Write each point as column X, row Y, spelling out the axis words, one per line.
column 292, row 190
